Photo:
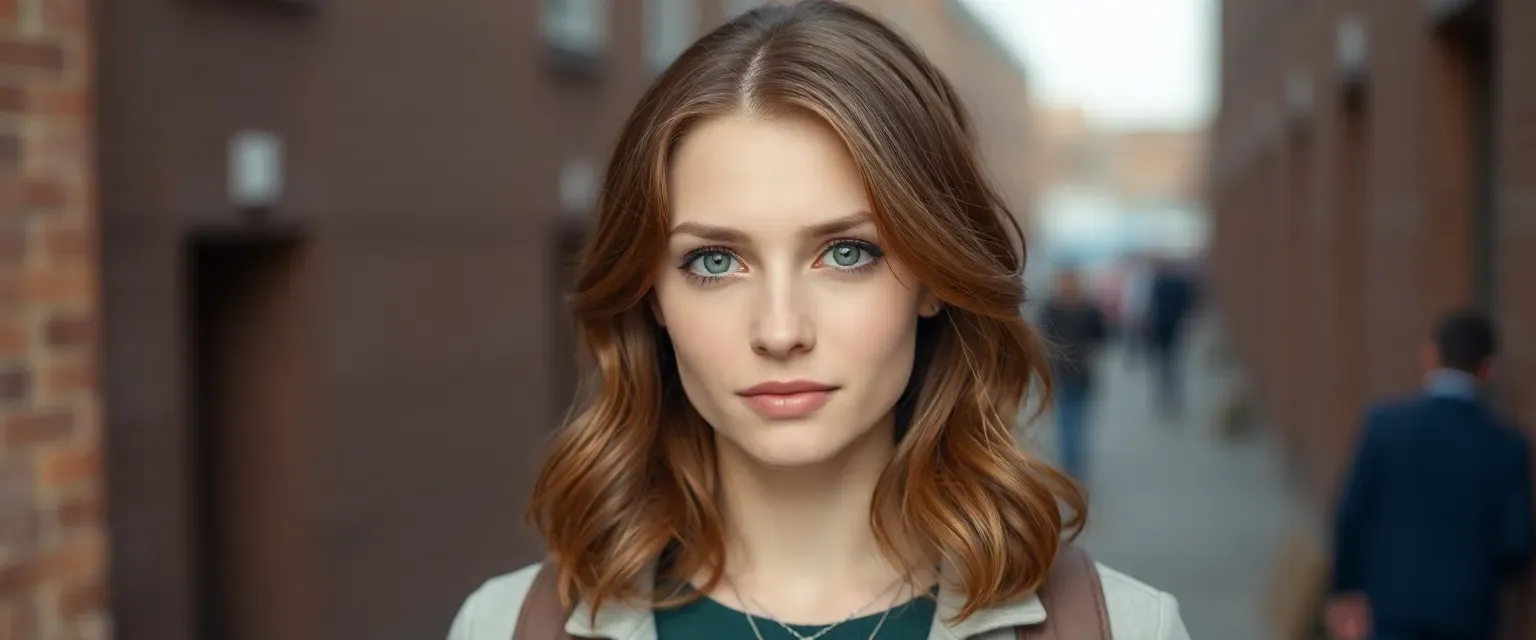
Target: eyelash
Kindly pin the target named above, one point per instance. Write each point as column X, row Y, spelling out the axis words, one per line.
column 875, row 254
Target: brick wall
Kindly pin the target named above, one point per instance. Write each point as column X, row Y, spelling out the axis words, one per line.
column 1344, row 229
column 52, row 545
column 1288, row 222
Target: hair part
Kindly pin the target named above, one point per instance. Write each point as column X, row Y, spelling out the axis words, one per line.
column 632, row 476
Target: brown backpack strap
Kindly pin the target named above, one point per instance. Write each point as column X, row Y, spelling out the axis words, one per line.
column 542, row 616
column 1073, row 599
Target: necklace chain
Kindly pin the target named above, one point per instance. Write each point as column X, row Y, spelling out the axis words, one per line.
column 751, row 619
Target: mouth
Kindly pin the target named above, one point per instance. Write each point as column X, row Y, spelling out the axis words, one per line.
column 787, row 400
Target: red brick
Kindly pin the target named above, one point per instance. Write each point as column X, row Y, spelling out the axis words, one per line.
column 13, row 246
column 61, row 102
column 20, row 529
column 79, row 559
column 39, row 427
column 79, row 513
column 10, row 291
column 13, row 99
column 69, row 243
column 22, row 194
column 61, row 149
column 13, row 338
column 69, row 330
column 9, row 12
column 15, row 384
column 21, row 575
column 65, row 467
column 66, row 15
column 67, row 378
column 82, row 599
column 10, row 150
column 31, row 54
column 57, row 285
column 18, row 621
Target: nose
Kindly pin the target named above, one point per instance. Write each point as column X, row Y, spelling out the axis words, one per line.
column 782, row 325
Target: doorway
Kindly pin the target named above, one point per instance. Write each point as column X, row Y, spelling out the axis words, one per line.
column 1467, row 42
column 250, row 437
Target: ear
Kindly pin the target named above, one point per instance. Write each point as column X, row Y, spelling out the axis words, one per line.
column 1485, row 370
column 929, row 305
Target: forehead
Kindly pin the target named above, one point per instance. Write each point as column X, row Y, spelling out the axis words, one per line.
column 762, row 174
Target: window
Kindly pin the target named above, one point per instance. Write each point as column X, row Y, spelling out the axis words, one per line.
column 578, row 27
column 671, row 25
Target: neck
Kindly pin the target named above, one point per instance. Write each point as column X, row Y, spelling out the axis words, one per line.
column 799, row 539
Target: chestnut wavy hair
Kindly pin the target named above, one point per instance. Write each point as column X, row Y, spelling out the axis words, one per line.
column 632, row 476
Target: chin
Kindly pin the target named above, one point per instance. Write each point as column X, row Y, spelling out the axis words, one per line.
column 800, row 445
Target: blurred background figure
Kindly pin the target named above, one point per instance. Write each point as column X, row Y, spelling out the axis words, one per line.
column 1076, row 330
column 1171, row 301
column 1435, row 518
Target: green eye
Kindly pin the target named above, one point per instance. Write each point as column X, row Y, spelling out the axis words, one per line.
column 713, row 264
column 848, row 255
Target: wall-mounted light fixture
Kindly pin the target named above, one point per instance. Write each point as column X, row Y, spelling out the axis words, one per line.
column 1352, row 51
column 255, row 170
column 578, row 187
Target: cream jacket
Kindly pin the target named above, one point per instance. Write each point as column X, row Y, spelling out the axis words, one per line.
column 1136, row 612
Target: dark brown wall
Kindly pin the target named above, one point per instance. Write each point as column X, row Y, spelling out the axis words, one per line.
column 1381, row 227
column 424, row 142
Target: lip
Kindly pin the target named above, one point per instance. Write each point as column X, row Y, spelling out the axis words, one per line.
column 787, row 400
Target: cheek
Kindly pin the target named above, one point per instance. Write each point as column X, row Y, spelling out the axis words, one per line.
column 703, row 334
column 875, row 331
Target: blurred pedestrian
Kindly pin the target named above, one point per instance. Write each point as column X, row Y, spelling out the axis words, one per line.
column 1076, row 329
column 1436, row 513
column 1170, row 302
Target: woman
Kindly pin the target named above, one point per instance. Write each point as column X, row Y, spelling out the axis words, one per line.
column 803, row 302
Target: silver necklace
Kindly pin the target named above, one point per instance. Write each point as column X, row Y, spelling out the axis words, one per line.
column 751, row 619
column 792, row 631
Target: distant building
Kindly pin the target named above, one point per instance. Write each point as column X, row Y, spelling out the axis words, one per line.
column 1105, row 193
column 1137, row 167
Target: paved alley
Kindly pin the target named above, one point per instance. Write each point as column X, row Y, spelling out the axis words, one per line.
column 1177, row 507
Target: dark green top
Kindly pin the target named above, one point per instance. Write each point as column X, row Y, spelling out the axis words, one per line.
column 706, row 619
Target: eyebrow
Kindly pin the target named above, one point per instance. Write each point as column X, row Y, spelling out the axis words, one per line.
column 729, row 235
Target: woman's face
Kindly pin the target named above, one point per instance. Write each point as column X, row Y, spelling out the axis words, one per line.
column 794, row 330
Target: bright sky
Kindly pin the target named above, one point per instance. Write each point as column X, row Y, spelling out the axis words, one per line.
column 1127, row 62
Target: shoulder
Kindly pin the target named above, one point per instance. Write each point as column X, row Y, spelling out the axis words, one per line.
column 1394, row 409
column 1138, row 611
column 1385, row 417
column 490, row 612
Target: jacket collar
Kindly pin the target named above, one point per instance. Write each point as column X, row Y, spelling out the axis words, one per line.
column 626, row 621
column 1450, row 383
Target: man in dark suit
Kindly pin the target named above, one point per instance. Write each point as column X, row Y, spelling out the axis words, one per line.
column 1435, row 517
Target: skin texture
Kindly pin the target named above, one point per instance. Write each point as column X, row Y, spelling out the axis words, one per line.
column 773, row 273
